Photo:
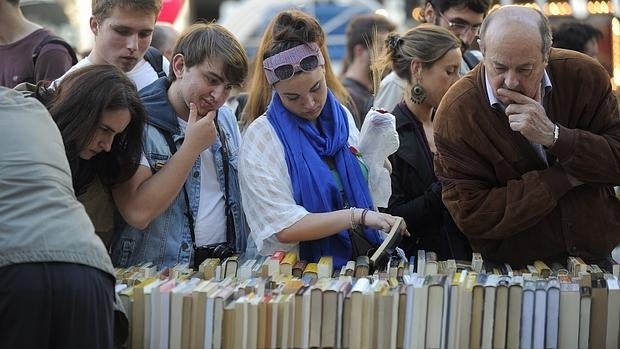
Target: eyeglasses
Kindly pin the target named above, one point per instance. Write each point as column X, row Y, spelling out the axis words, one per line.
column 286, row 71
column 459, row 27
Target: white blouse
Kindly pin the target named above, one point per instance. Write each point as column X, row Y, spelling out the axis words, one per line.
column 266, row 187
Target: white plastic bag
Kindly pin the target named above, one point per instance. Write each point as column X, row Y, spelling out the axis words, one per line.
column 378, row 140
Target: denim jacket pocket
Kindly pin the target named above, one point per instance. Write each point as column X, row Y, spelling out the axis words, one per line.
column 157, row 161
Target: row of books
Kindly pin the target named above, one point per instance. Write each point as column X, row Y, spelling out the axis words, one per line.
column 432, row 304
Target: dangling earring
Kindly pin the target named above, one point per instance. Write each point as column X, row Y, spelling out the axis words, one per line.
column 418, row 95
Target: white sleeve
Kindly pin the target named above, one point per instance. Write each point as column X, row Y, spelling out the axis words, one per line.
column 266, row 187
column 391, row 92
column 354, row 133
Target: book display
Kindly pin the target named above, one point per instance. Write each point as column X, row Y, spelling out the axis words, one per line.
column 247, row 303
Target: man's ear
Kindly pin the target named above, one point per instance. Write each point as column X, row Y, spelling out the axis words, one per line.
column 358, row 50
column 94, row 25
column 178, row 65
column 429, row 13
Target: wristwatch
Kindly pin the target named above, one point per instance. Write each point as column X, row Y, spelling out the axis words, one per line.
column 556, row 134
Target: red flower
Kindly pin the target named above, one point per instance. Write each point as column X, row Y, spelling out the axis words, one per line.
column 355, row 152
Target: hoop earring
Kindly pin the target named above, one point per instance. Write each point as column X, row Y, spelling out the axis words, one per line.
column 418, row 95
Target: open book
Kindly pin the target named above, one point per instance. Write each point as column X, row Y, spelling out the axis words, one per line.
column 388, row 246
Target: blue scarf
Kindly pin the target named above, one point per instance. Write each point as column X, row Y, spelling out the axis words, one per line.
column 314, row 186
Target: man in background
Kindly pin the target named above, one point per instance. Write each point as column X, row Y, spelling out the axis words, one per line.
column 123, row 31
column 29, row 52
column 580, row 37
column 164, row 38
column 362, row 33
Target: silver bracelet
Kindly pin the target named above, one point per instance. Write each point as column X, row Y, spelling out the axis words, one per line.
column 353, row 224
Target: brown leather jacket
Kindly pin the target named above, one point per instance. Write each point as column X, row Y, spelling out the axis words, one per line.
column 506, row 200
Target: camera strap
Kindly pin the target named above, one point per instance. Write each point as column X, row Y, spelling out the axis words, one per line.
column 188, row 211
column 230, row 229
column 230, row 222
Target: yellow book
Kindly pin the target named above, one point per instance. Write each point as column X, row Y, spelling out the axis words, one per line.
column 287, row 263
column 311, row 270
column 325, row 267
column 208, row 266
column 543, row 269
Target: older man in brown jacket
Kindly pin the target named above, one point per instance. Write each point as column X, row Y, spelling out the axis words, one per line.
column 529, row 147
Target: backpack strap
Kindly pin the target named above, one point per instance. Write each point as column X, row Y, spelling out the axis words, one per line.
column 156, row 60
column 53, row 39
column 230, row 222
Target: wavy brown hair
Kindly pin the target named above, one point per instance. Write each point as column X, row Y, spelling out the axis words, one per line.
column 77, row 107
column 288, row 29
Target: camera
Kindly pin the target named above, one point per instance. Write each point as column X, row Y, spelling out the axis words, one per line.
column 221, row 251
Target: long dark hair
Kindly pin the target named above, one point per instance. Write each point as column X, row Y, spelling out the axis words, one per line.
column 77, row 107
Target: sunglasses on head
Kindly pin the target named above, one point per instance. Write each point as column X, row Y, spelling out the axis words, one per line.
column 284, row 65
column 286, row 71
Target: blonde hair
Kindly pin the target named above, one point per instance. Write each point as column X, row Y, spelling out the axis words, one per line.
column 426, row 44
column 293, row 25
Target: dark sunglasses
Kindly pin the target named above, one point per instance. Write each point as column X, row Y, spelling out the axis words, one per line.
column 286, row 71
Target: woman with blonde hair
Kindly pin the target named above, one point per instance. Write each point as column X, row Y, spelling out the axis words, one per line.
column 302, row 186
column 259, row 91
column 428, row 57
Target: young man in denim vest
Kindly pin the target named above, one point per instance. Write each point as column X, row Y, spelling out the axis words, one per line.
column 186, row 190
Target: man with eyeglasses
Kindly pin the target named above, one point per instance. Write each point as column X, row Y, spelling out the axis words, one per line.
column 463, row 18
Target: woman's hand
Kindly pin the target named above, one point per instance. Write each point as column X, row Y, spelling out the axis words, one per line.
column 383, row 221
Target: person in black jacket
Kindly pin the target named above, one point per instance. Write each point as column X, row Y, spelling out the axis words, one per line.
column 428, row 58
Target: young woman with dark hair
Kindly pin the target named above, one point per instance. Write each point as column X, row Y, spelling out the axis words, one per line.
column 101, row 120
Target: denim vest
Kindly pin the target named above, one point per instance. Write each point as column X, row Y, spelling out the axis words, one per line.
column 167, row 240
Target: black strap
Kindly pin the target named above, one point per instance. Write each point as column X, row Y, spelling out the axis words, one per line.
column 53, row 39
column 156, row 60
column 230, row 223
column 188, row 211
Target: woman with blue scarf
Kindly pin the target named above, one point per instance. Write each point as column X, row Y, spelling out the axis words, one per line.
column 302, row 184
